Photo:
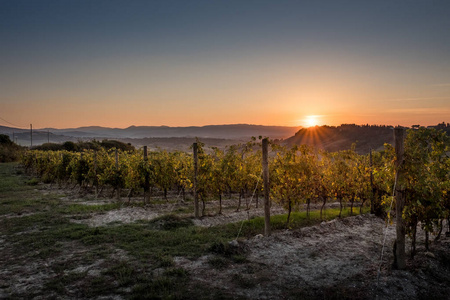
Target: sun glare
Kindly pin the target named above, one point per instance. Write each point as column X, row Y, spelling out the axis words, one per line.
column 311, row 121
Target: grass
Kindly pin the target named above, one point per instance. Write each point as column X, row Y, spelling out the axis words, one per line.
column 123, row 273
column 218, row 263
column 38, row 228
column 17, row 196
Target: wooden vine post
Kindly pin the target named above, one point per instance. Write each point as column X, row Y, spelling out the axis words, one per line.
column 118, row 190
column 399, row 246
column 146, row 179
column 372, row 196
column 265, row 167
column 196, row 208
column 95, row 174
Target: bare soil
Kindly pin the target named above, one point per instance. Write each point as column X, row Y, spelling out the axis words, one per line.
column 336, row 259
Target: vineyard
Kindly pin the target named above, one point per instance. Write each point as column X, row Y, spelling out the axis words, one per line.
column 299, row 177
column 120, row 223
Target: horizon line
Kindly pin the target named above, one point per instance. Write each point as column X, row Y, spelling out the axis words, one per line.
column 231, row 124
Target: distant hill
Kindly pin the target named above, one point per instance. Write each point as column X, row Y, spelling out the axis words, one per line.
column 40, row 136
column 235, row 131
column 7, row 130
column 329, row 138
column 228, row 132
column 342, row 137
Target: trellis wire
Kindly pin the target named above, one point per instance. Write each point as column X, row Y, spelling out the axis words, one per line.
column 251, row 199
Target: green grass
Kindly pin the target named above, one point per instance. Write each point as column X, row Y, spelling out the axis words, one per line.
column 17, row 196
column 123, row 272
column 218, row 262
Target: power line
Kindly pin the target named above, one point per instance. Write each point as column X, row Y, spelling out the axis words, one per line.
column 21, row 127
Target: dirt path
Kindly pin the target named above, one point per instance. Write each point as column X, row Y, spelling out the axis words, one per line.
column 337, row 258
column 130, row 213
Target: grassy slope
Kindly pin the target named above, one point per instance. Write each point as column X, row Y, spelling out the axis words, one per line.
column 36, row 230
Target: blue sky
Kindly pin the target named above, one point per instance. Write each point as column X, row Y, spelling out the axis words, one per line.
column 180, row 63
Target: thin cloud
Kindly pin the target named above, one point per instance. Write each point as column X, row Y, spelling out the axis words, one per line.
column 419, row 99
column 422, row 111
column 441, row 84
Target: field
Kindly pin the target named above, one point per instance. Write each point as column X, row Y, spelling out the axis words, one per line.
column 59, row 244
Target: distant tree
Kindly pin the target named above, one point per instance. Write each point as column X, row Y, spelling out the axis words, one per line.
column 4, row 140
column 49, row 147
column 69, row 146
column 91, row 145
column 109, row 144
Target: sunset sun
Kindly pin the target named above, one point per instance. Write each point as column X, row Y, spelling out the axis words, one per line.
column 311, row 121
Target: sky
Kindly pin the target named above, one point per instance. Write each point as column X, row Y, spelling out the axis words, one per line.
column 66, row 64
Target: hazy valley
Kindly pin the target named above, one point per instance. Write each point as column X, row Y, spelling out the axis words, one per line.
column 330, row 138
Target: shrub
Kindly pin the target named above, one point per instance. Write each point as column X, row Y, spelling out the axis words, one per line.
column 9, row 151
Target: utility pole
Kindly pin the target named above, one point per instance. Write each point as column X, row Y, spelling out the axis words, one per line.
column 31, row 136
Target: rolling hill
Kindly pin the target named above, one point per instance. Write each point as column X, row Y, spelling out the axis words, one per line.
column 233, row 131
column 342, row 137
column 134, row 134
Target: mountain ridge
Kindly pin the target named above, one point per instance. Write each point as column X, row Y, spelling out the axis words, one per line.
column 230, row 131
column 218, row 131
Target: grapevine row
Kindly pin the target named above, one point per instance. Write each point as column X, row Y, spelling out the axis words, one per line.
column 299, row 175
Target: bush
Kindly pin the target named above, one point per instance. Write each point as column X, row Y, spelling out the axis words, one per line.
column 9, row 151
column 70, row 146
column 84, row 145
column 49, row 147
column 110, row 144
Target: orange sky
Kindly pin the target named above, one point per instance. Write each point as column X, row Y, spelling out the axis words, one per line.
column 202, row 63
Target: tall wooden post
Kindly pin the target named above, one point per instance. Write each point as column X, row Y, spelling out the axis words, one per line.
column 117, row 167
column 400, row 256
column 146, row 179
column 95, row 174
column 196, row 208
column 372, row 196
column 265, row 167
